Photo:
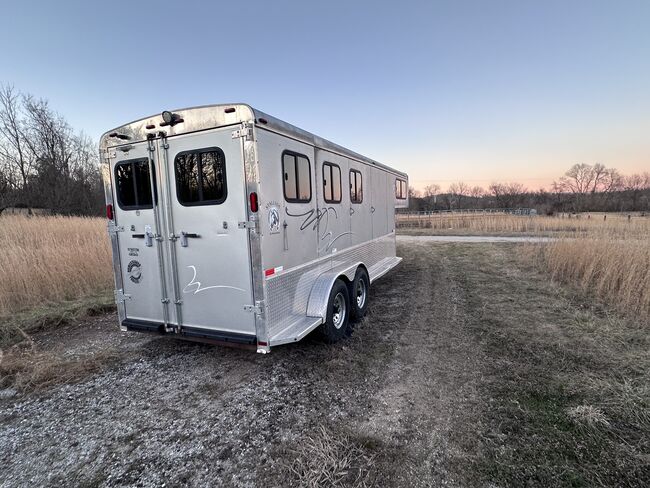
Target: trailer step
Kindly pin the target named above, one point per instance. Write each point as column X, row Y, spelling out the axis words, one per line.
column 296, row 331
column 382, row 267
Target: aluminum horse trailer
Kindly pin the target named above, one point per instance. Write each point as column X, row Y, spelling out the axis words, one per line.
column 229, row 225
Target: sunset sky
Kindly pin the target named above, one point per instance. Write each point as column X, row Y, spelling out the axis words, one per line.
column 472, row 91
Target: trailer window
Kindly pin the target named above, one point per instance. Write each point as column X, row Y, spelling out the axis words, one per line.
column 356, row 186
column 296, row 177
column 201, row 177
column 400, row 189
column 132, row 184
column 331, row 183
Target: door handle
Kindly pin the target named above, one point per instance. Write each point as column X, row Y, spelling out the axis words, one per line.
column 187, row 235
column 372, row 209
column 351, row 210
column 147, row 236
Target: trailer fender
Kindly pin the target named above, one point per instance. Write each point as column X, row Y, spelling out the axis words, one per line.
column 320, row 290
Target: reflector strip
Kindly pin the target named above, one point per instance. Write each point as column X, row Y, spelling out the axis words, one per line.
column 272, row 271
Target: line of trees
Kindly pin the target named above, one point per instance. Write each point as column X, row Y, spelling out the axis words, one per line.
column 582, row 188
column 43, row 162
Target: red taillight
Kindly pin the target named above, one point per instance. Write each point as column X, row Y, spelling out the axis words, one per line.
column 253, row 199
column 109, row 211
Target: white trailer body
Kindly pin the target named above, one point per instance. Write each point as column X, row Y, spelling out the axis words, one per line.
column 229, row 225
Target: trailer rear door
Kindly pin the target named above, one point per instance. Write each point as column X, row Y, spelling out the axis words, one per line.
column 141, row 256
column 183, row 257
column 208, row 201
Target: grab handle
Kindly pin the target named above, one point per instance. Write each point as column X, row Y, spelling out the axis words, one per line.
column 187, row 235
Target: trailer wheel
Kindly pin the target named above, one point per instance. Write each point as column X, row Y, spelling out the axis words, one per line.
column 359, row 294
column 337, row 324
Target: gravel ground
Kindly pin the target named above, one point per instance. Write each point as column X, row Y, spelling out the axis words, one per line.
column 177, row 413
column 461, row 374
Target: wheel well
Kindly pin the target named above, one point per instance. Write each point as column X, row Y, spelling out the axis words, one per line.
column 347, row 280
column 364, row 268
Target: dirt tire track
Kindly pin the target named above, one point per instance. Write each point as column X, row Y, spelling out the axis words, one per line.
column 190, row 414
column 425, row 404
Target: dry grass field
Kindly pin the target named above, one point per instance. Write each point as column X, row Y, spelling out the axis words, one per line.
column 47, row 260
column 611, row 264
column 606, row 255
column 502, row 224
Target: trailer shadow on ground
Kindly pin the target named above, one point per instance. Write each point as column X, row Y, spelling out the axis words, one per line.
column 469, row 369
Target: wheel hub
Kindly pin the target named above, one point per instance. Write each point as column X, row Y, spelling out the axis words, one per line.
column 339, row 310
column 361, row 293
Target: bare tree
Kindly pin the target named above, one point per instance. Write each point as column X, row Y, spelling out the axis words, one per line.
column 507, row 195
column 431, row 190
column 413, row 193
column 431, row 193
column 497, row 190
column 582, row 179
column 476, row 192
column 459, row 191
column 16, row 157
column 635, row 185
column 43, row 162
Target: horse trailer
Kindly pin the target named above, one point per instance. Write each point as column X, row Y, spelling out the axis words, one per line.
column 228, row 225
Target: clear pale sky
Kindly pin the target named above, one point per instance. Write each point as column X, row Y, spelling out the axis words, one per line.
column 446, row 90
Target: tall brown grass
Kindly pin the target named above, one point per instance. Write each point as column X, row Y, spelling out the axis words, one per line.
column 51, row 259
column 611, row 264
column 605, row 255
column 519, row 224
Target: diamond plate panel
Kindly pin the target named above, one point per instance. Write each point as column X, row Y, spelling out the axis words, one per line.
column 288, row 292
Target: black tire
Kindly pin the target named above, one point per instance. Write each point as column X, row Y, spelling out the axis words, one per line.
column 359, row 294
column 336, row 327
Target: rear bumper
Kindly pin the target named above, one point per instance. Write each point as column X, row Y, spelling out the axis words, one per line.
column 193, row 333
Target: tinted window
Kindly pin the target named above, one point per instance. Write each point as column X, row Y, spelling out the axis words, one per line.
column 132, row 184
column 400, row 189
column 356, row 186
column 331, row 183
column 296, row 177
column 201, row 177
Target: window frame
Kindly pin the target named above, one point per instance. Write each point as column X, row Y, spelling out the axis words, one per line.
column 356, row 190
column 402, row 194
column 284, row 181
column 200, row 203
column 332, row 166
column 137, row 206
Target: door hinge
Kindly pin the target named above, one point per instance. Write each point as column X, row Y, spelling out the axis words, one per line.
column 246, row 132
column 114, row 229
column 121, row 297
column 257, row 309
column 249, row 224
column 108, row 155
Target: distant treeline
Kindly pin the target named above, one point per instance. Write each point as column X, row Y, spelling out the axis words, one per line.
column 583, row 188
column 43, row 162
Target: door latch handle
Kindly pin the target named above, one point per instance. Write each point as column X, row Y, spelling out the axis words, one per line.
column 351, row 210
column 148, row 236
column 372, row 209
column 187, row 235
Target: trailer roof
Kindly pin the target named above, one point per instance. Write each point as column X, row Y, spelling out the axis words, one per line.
column 212, row 116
